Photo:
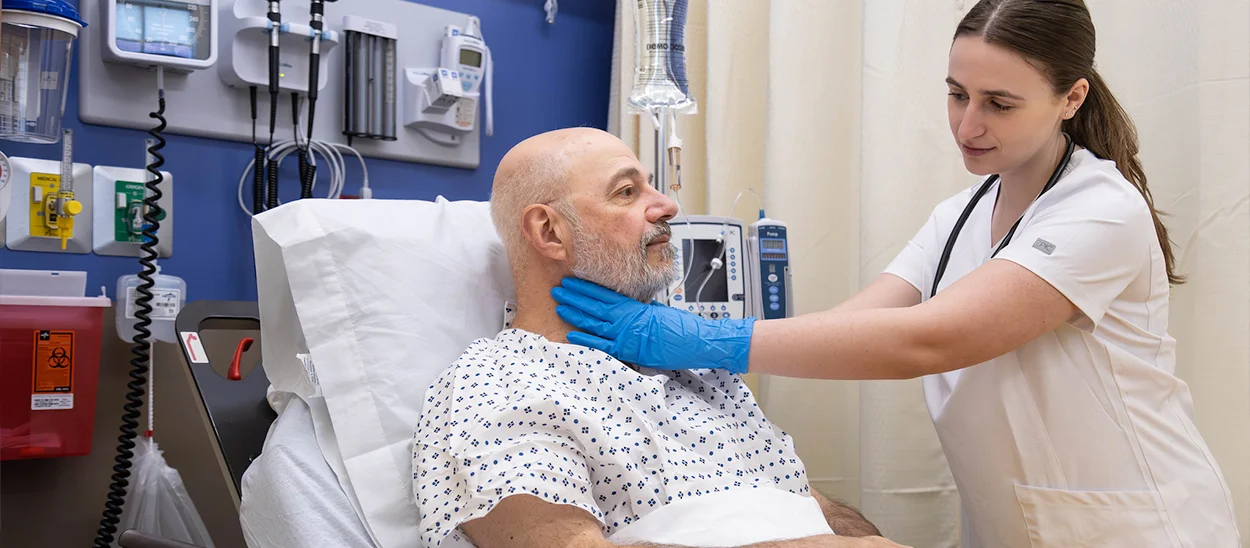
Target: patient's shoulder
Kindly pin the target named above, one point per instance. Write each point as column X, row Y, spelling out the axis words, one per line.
column 512, row 360
column 517, row 365
column 507, row 348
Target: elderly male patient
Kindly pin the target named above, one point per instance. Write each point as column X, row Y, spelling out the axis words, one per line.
column 528, row 441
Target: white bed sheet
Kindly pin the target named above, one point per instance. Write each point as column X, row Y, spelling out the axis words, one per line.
column 291, row 497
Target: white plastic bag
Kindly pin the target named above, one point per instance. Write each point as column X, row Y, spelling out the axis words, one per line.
column 157, row 502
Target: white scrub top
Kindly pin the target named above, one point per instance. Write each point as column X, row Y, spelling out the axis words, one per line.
column 1082, row 437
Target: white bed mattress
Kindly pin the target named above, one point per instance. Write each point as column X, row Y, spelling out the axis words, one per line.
column 291, row 497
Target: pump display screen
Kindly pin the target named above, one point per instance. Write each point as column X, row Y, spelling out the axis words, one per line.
column 470, row 57
column 773, row 245
column 163, row 27
column 699, row 254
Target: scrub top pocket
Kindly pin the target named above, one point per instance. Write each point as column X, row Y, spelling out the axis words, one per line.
column 1107, row 519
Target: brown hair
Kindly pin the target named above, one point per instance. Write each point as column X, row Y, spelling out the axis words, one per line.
column 1058, row 37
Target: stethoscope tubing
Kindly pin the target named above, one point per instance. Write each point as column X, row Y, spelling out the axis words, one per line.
column 972, row 205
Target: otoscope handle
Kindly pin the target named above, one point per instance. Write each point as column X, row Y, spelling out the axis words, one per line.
column 314, row 59
column 275, row 17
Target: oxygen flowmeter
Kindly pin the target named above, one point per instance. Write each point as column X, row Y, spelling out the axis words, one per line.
column 769, row 252
column 52, row 202
column 59, row 211
column 47, row 197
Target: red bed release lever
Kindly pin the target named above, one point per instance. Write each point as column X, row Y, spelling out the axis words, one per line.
column 234, row 374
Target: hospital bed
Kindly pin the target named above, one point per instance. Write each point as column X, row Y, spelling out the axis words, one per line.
column 362, row 304
column 278, row 450
column 265, row 444
column 266, row 447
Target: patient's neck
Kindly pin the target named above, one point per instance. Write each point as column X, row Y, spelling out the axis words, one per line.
column 536, row 310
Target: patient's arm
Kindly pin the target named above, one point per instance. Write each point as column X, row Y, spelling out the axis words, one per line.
column 524, row 521
column 844, row 520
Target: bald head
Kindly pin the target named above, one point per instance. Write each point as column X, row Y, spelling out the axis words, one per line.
column 578, row 202
column 541, row 170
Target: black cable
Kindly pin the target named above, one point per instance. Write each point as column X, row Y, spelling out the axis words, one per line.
column 275, row 19
column 308, row 176
column 271, row 198
column 308, row 172
column 258, row 166
column 142, row 347
column 306, row 179
column 271, row 201
column 258, row 181
column 317, row 11
column 273, row 115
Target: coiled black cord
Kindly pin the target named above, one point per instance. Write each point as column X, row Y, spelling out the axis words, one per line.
column 137, row 387
column 307, row 172
column 258, row 169
column 309, row 177
column 271, row 201
column 258, row 181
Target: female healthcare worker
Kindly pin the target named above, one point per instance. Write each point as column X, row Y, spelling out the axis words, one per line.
column 1049, row 371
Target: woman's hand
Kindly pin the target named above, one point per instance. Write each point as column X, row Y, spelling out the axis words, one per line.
column 651, row 335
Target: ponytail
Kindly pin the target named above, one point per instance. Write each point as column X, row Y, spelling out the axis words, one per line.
column 1103, row 127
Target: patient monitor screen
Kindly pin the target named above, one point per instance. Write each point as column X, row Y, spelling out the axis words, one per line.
column 699, row 254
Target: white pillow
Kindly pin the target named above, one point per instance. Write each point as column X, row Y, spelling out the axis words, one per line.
column 384, row 295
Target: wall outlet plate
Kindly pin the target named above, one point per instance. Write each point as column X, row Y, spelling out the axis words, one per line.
column 110, row 235
column 29, row 172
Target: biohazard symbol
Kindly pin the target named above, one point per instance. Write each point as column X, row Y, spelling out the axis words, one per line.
column 54, row 362
column 59, row 359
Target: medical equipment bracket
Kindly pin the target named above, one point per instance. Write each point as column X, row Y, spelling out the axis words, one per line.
column 118, row 95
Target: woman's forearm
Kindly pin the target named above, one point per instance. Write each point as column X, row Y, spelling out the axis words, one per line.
column 993, row 310
column 891, row 343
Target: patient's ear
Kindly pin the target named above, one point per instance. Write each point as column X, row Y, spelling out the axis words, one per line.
column 545, row 231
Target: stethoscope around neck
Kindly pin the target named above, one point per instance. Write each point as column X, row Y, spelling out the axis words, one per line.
column 972, row 204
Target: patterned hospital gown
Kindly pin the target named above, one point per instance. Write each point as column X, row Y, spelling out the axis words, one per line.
column 519, row 414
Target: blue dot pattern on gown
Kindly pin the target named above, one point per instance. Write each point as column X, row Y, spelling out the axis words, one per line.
column 519, row 414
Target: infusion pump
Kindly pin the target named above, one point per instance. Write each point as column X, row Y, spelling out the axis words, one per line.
column 712, row 255
column 730, row 270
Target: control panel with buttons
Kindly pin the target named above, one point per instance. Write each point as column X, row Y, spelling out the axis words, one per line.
column 770, row 251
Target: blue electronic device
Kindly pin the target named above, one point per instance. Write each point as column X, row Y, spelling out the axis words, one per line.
column 769, row 251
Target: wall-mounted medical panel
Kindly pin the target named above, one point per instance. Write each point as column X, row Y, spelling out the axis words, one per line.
column 45, row 215
column 215, row 102
column 118, row 223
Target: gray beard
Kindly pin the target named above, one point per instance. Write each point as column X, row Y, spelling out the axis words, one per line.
column 626, row 271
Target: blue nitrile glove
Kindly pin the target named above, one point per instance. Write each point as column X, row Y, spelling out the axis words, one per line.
column 651, row 335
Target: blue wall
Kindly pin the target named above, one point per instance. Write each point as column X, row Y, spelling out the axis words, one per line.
column 548, row 76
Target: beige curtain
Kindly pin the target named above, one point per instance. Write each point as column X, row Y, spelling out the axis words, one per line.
column 834, row 110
